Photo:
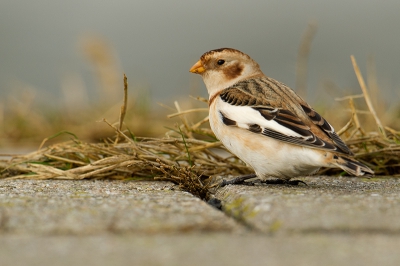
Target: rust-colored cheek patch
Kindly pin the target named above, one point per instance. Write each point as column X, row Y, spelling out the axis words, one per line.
column 233, row 71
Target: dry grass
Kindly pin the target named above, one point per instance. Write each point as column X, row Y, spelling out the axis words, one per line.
column 378, row 149
column 185, row 161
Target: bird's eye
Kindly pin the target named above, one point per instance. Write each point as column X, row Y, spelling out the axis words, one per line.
column 221, row 62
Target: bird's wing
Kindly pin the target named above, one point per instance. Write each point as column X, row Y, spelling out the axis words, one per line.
column 270, row 108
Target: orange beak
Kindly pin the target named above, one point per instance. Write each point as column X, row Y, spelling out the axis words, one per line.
column 197, row 68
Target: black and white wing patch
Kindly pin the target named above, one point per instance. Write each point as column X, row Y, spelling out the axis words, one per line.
column 275, row 123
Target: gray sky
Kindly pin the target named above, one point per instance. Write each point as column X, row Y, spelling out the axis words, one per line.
column 158, row 41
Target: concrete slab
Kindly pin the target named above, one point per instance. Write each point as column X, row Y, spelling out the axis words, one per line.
column 327, row 205
column 54, row 207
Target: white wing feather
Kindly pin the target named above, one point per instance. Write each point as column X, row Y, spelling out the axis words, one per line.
column 246, row 116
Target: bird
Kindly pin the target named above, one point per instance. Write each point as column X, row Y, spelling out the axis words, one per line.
column 266, row 124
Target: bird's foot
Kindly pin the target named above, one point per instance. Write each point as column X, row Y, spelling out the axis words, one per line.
column 283, row 182
column 239, row 180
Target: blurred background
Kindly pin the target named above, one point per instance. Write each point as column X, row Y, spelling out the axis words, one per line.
column 61, row 62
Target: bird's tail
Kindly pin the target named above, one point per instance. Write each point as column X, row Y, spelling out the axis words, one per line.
column 353, row 166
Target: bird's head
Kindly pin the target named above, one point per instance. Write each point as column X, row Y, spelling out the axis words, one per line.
column 224, row 67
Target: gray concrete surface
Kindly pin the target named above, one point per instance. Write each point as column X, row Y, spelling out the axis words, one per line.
column 332, row 221
column 326, row 205
column 200, row 249
column 55, row 207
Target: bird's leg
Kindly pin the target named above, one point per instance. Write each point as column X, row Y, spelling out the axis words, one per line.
column 283, row 182
column 238, row 180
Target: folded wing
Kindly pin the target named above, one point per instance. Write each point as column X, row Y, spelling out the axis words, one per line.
column 254, row 105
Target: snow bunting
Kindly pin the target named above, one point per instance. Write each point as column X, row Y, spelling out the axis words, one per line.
column 265, row 123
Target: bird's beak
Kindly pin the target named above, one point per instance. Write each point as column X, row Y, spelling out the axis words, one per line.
column 197, row 68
